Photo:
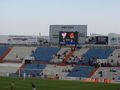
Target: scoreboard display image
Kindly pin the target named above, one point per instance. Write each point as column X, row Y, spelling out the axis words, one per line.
column 101, row 40
column 68, row 37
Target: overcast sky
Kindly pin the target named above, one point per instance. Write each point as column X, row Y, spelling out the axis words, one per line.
column 31, row 17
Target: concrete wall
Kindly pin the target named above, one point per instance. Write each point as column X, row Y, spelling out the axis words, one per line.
column 4, row 38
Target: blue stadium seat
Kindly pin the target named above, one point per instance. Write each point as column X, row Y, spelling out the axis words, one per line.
column 44, row 54
column 119, row 78
column 33, row 69
column 81, row 71
column 13, row 75
column 3, row 49
column 98, row 53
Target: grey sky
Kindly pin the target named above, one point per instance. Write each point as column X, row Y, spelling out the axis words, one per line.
column 30, row 17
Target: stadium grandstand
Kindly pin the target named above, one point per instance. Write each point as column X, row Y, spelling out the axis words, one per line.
column 69, row 55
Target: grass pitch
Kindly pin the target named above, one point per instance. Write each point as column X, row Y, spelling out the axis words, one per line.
column 45, row 84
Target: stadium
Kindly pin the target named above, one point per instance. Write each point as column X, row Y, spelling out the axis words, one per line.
column 67, row 59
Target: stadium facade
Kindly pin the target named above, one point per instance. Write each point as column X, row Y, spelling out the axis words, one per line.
column 23, row 39
column 74, row 34
column 54, row 32
column 18, row 39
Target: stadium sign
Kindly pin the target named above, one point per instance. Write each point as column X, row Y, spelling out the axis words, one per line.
column 114, row 39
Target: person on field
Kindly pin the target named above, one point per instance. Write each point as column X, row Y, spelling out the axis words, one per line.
column 12, row 85
column 33, row 86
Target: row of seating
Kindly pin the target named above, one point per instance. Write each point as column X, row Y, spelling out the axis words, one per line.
column 3, row 49
column 97, row 53
column 33, row 69
column 81, row 71
column 77, row 71
column 44, row 54
column 107, row 73
column 41, row 54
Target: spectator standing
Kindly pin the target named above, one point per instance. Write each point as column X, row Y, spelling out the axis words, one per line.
column 12, row 85
column 33, row 86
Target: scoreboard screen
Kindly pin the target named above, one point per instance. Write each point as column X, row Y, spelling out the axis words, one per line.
column 68, row 37
column 101, row 40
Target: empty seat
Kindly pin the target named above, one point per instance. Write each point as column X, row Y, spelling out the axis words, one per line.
column 97, row 53
column 3, row 49
column 81, row 71
column 33, row 69
column 44, row 54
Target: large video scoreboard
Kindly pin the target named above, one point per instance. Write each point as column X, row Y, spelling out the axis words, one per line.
column 68, row 37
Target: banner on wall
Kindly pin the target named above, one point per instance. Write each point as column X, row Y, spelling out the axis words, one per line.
column 113, row 39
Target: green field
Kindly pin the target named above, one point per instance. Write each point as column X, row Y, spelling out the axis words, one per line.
column 45, row 84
